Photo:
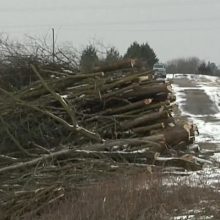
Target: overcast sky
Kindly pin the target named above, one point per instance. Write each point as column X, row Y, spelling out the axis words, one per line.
column 173, row 28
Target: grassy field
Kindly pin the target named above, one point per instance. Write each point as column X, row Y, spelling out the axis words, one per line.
column 139, row 197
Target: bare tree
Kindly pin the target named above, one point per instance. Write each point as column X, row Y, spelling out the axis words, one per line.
column 184, row 65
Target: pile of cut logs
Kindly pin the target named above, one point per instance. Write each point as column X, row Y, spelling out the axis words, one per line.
column 75, row 128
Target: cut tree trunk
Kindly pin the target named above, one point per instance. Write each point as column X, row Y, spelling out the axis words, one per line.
column 128, row 107
column 117, row 66
column 146, row 129
column 150, row 91
column 144, row 120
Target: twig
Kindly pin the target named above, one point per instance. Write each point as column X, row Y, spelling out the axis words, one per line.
column 5, row 157
column 40, row 147
column 69, row 110
column 35, row 161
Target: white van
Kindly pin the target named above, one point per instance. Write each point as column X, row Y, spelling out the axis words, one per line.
column 159, row 70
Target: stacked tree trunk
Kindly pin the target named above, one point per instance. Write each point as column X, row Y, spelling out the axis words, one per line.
column 71, row 129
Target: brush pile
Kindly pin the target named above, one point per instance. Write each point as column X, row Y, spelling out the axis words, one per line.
column 74, row 128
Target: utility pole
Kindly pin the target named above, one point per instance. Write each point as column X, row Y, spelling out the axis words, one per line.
column 53, row 44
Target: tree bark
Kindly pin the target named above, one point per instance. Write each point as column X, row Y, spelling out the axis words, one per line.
column 146, row 129
column 144, row 120
column 117, row 66
column 128, row 107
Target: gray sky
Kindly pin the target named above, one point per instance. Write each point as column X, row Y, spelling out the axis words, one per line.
column 173, row 28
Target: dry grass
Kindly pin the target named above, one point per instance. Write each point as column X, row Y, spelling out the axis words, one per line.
column 138, row 197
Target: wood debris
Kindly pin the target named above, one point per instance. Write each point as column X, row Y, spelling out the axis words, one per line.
column 74, row 128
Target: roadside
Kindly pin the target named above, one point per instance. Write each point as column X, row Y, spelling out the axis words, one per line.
column 141, row 197
column 198, row 97
column 192, row 195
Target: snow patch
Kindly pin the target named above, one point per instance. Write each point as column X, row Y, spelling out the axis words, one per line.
column 201, row 78
column 216, row 157
column 184, row 217
column 64, row 96
column 214, row 94
column 205, row 177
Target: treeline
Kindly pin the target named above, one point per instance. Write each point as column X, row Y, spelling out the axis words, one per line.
column 192, row 65
column 91, row 56
column 15, row 59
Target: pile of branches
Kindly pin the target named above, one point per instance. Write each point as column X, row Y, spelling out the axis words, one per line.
column 74, row 128
column 15, row 59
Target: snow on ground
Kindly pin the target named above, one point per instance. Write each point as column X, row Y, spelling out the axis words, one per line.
column 204, row 79
column 209, row 131
column 208, row 176
column 210, row 85
column 208, row 124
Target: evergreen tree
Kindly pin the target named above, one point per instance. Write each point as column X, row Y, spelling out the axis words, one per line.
column 204, row 69
column 112, row 56
column 89, row 59
column 142, row 52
